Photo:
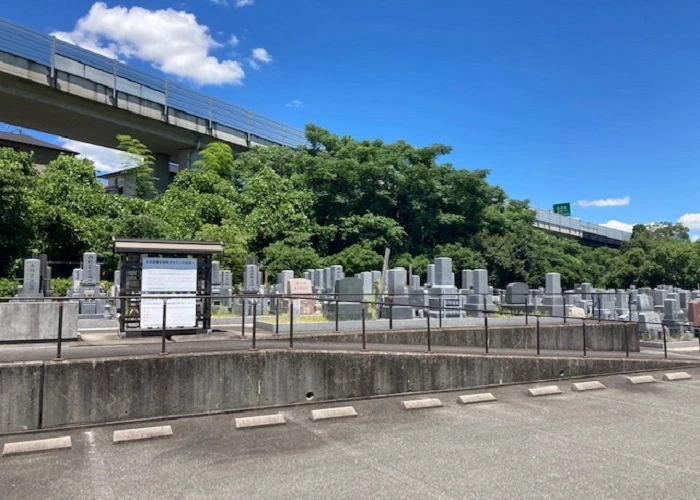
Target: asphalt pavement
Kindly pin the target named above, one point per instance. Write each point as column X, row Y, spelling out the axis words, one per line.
column 623, row 442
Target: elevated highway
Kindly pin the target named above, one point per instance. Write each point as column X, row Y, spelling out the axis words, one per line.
column 586, row 233
column 56, row 87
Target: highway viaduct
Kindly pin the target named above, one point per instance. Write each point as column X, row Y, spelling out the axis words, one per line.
column 56, row 87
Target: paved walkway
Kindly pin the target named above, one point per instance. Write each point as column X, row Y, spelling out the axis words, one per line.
column 96, row 345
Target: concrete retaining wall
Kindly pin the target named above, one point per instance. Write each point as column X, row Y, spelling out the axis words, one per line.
column 115, row 389
column 20, row 396
column 34, row 321
column 599, row 337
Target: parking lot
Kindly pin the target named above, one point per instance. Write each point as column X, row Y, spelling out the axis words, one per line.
column 627, row 441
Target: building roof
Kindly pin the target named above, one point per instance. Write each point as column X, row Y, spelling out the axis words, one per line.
column 116, row 173
column 28, row 140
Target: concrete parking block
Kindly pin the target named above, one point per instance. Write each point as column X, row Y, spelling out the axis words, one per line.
column 260, row 421
column 36, row 446
column 469, row 399
column 641, row 379
column 677, row 376
column 593, row 385
column 547, row 390
column 417, row 404
column 328, row 413
column 140, row 434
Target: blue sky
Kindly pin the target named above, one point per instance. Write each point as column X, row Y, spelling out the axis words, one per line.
column 591, row 102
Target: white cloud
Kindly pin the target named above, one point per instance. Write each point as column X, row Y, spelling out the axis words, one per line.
column 691, row 221
column 620, row 226
column 244, row 3
column 234, row 41
column 607, row 202
column 262, row 55
column 105, row 159
column 223, row 3
column 172, row 41
column 295, row 103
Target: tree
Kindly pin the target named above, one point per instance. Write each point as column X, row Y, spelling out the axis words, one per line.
column 217, row 157
column 140, row 161
column 73, row 212
column 17, row 216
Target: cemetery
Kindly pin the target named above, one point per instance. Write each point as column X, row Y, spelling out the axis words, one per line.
column 319, row 299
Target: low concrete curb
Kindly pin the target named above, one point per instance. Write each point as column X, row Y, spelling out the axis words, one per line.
column 142, row 433
column 677, row 376
column 547, row 390
column 469, row 399
column 328, row 413
column 593, row 385
column 260, row 421
column 417, row 404
column 641, row 379
column 36, row 446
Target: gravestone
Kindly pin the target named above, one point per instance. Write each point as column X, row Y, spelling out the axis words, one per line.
column 517, row 295
column 398, row 302
column 251, row 286
column 481, row 300
column 468, row 280
column 282, row 281
column 552, row 301
column 444, row 297
column 31, row 286
column 349, row 307
column 431, row 274
column 301, row 287
column 366, row 278
column 226, row 289
column 90, row 273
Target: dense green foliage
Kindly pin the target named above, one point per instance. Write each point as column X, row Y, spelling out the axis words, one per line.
column 339, row 201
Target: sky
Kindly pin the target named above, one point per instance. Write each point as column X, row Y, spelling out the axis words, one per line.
column 593, row 102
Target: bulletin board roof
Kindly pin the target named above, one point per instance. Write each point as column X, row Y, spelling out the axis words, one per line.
column 127, row 245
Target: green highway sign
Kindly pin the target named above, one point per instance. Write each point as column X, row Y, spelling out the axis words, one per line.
column 562, row 209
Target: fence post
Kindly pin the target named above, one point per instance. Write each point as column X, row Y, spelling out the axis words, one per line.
column 663, row 329
column 584, row 337
column 337, row 312
column 364, row 332
column 428, row 321
column 245, row 306
column 563, row 304
column 600, row 312
column 255, row 317
column 527, row 308
column 165, row 315
column 486, row 332
column 391, row 312
column 291, row 324
column 538, row 335
column 277, row 315
column 627, row 340
column 60, row 330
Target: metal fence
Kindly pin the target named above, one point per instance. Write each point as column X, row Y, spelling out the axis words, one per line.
column 44, row 49
column 433, row 318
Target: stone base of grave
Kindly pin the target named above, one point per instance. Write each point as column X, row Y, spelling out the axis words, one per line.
column 518, row 308
column 347, row 311
column 397, row 312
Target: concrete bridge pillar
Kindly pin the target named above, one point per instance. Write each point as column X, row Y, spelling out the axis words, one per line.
column 161, row 172
column 187, row 157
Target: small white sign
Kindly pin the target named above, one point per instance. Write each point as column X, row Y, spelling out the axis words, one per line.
column 169, row 275
column 180, row 313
